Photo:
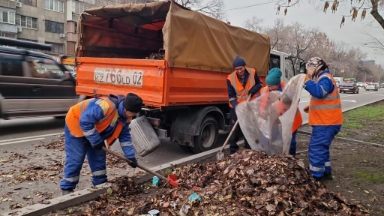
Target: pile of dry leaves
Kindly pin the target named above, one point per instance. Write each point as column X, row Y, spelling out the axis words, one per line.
column 248, row 183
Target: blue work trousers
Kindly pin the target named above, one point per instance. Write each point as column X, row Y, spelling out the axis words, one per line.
column 292, row 147
column 76, row 149
column 318, row 153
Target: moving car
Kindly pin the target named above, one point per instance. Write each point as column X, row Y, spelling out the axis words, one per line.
column 349, row 87
column 33, row 83
column 359, row 84
column 372, row 86
column 381, row 85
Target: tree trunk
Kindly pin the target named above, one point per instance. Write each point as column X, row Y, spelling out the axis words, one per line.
column 375, row 13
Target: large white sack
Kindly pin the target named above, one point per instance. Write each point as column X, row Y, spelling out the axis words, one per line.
column 261, row 119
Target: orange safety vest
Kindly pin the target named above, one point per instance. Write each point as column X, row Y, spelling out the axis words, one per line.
column 73, row 120
column 326, row 111
column 298, row 121
column 242, row 92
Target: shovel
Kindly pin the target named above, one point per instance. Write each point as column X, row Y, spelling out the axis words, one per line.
column 170, row 181
column 220, row 154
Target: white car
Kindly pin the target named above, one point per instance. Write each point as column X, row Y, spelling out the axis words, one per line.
column 372, row 86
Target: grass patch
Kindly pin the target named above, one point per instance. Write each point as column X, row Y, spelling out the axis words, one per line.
column 343, row 135
column 362, row 116
column 374, row 176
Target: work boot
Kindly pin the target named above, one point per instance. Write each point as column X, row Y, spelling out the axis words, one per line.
column 66, row 192
column 326, row 177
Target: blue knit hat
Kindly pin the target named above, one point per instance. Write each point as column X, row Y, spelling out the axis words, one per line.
column 238, row 62
column 274, row 77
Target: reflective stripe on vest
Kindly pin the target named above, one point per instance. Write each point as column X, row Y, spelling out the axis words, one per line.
column 326, row 111
column 110, row 119
column 242, row 92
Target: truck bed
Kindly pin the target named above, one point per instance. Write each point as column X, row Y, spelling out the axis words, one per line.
column 152, row 80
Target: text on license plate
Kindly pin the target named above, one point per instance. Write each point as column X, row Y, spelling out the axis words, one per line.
column 119, row 76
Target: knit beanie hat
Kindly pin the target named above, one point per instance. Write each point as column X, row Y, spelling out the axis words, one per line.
column 133, row 103
column 238, row 62
column 274, row 77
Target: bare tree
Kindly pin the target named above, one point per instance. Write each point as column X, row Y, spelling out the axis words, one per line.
column 254, row 24
column 213, row 8
column 277, row 34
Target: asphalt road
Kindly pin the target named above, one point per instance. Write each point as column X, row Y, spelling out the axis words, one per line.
column 22, row 133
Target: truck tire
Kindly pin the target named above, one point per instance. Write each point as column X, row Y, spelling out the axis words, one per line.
column 207, row 138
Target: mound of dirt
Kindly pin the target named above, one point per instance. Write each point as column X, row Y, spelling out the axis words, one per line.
column 248, row 183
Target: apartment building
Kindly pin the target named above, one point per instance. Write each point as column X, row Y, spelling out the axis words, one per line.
column 44, row 21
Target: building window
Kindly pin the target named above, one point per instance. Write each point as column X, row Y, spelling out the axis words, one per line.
column 79, row 7
column 54, row 5
column 54, row 27
column 26, row 22
column 56, row 48
column 29, row 2
column 7, row 34
column 7, row 16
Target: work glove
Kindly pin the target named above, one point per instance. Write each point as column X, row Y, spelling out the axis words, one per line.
column 98, row 146
column 251, row 92
column 133, row 163
column 306, row 109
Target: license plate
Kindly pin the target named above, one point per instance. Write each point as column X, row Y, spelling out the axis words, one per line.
column 119, row 76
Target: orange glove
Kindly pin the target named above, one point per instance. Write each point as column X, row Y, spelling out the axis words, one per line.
column 306, row 109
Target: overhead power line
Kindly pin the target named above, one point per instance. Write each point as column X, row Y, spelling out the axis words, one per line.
column 253, row 5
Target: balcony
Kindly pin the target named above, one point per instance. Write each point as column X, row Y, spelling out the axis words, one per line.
column 8, row 4
column 71, row 37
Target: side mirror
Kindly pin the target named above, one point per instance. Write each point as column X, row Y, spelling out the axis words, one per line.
column 303, row 68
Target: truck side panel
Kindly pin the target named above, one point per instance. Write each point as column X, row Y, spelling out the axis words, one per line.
column 193, row 87
column 100, row 76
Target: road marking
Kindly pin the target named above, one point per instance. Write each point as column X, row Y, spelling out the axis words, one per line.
column 29, row 138
column 20, row 141
column 352, row 101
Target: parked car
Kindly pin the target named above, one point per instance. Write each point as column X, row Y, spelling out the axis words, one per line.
column 33, row 83
column 349, row 87
column 359, row 84
column 372, row 86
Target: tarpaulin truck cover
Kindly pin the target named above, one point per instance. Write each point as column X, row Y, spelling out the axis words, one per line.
column 197, row 47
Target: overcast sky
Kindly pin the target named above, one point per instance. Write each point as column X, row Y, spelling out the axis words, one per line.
column 351, row 33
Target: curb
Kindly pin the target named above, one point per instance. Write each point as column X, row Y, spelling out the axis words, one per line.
column 346, row 139
column 88, row 194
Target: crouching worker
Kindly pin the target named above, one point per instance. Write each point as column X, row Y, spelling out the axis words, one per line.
column 87, row 125
column 273, row 81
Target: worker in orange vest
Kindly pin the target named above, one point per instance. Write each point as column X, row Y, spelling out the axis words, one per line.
column 273, row 81
column 87, row 125
column 241, row 83
column 324, row 115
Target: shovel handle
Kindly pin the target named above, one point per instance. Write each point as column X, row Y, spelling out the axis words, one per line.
column 233, row 129
column 138, row 165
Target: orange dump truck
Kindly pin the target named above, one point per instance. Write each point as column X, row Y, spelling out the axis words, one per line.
column 176, row 59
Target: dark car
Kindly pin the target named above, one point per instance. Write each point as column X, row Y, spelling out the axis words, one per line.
column 349, row 87
column 33, row 83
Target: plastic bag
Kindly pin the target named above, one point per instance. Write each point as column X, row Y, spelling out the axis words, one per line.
column 266, row 121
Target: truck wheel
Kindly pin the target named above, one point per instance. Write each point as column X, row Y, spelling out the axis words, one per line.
column 209, row 132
